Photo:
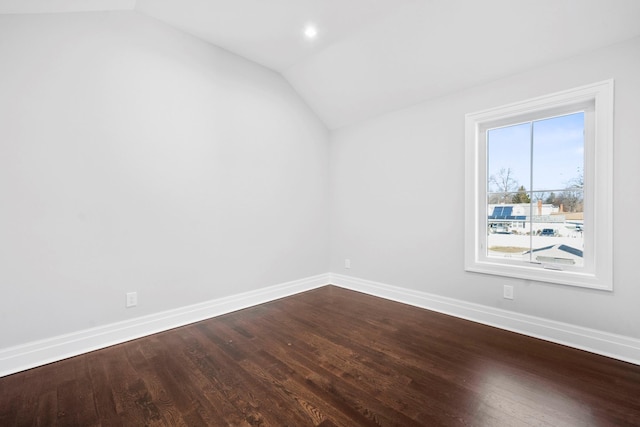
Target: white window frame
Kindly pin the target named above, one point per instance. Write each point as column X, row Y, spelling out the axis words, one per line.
column 597, row 272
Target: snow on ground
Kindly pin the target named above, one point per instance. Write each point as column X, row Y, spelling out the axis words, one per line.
column 514, row 240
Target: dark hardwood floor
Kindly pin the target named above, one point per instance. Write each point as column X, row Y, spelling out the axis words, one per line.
column 328, row 357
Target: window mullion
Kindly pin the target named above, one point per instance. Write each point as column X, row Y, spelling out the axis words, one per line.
column 531, row 190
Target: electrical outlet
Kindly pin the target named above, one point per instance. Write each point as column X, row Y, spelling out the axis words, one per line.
column 132, row 299
column 508, row 292
column 347, row 263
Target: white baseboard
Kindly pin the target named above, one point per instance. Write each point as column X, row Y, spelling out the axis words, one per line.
column 30, row 355
column 611, row 345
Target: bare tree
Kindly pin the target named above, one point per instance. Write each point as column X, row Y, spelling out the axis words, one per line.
column 578, row 181
column 540, row 195
column 504, row 184
column 572, row 198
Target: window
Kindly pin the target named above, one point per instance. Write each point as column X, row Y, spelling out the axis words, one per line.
column 538, row 188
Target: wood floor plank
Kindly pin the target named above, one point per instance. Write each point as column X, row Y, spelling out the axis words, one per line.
column 415, row 380
column 260, row 402
column 101, row 388
column 329, row 358
column 316, row 371
column 47, row 410
column 259, row 367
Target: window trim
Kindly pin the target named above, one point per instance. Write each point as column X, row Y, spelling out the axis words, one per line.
column 598, row 176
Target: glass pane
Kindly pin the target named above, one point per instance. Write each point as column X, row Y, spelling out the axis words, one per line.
column 558, row 153
column 558, row 164
column 508, row 166
column 545, row 225
column 508, row 160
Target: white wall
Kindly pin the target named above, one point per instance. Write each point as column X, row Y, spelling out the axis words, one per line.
column 389, row 174
column 134, row 157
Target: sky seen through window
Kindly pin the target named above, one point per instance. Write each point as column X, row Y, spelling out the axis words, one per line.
column 558, row 152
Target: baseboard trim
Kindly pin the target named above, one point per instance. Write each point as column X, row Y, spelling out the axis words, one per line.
column 606, row 344
column 38, row 353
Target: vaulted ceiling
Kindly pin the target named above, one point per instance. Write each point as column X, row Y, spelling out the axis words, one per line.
column 375, row 56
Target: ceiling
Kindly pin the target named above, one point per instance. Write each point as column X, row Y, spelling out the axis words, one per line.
column 375, row 56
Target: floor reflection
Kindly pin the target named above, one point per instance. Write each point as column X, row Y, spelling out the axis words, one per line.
column 507, row 396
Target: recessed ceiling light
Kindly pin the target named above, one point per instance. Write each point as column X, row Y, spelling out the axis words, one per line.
column 310, row 31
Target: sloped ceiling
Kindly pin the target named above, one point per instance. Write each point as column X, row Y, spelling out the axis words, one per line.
column 63, row 6
column 375, row 56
